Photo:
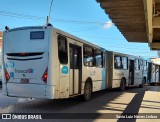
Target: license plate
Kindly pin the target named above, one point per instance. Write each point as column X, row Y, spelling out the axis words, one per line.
column 24, row 81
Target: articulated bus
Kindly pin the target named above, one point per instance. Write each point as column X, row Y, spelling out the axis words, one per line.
column 45, row 62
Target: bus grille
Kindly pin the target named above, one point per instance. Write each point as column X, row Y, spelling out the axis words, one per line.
column 24, row 56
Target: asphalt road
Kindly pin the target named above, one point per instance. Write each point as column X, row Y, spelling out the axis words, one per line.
column 103, row 105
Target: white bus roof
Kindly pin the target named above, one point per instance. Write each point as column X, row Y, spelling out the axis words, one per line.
column 77, row 38
column 58, row 31
column 129, row 56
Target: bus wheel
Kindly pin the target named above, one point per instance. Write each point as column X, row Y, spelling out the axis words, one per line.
column 87, row 91
column 123, row 85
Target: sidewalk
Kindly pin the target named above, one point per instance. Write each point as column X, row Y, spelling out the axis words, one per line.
column 150, row 104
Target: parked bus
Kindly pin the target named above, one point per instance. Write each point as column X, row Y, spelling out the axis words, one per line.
column 45, row 62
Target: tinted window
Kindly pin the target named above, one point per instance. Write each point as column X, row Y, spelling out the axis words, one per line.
column 137, row 64
column 62, row 50
column 140, row 64
column 99, row 58
column 117, row 62
column 71, row 58
column 37, row 35
column 75, row 56
column 88, row 55
column 76, row 59
column 125, row 62
column 145, row 65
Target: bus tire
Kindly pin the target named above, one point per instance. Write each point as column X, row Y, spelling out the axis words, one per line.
column 123, row 85
column 87, row 92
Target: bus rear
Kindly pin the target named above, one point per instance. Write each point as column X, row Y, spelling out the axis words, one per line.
column 25, row 61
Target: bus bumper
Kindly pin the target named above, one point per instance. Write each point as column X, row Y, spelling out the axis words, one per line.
column 30, row 90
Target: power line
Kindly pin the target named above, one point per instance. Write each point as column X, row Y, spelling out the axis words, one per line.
column 17, row 15
column 25, row 16
column 86, row 29
column 78, row 22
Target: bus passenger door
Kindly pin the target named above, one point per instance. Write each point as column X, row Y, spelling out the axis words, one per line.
column 149, row 72
column 75, row 77
column 131, row 72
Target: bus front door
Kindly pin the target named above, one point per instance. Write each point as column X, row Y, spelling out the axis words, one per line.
column 75, row 77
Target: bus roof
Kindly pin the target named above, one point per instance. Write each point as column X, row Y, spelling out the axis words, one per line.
column 78, row 39
column 130, row 56
column 58, row 31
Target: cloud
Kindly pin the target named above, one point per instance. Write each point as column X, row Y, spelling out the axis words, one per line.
column 108, row 24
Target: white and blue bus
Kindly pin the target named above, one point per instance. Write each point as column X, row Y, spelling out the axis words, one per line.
column 45, row 62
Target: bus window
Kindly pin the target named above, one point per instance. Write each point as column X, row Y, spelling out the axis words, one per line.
column 99, row 58
column 76, row 59
column 124, row 62
column 37, row 35
column 117, row 62
column 88, row 56
column 71, row 58
column 145, row 65
column 140, row 64
column 136, row 64
column 62, row 50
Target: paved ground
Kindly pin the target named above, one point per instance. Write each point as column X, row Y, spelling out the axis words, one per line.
column 132, row 100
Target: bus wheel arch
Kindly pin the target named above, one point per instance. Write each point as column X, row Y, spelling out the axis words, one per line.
column 143, row 82
column 123, row 84
column 88, row 89
column 89, row 80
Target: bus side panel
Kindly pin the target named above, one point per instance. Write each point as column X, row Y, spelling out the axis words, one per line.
column 52, row 90
column 138, row 77
column 119, row 73
column 61, row 79
column 96, row 74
